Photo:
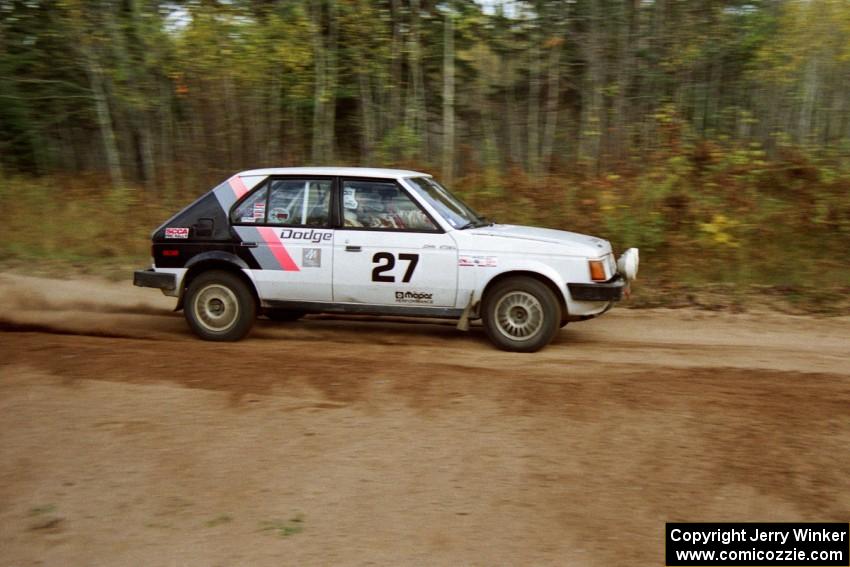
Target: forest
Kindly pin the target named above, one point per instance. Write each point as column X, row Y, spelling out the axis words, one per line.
column 712, row 134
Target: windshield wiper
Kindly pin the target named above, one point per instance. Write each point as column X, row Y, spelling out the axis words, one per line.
column 477, row 223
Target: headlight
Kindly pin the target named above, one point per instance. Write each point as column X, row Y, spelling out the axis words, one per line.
column 597, row 270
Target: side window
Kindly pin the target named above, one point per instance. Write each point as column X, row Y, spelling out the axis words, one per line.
column 299, row 202
column 287, row 202
column 381, row 205
column 252, row 210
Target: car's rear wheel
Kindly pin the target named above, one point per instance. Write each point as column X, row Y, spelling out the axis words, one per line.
column 219, row 307
column 283, row 314
column 521, row 314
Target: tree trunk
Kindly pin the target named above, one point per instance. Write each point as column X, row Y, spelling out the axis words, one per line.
column 104, row 118
column 448, row 98
column 394, row 117
column 320, row 79
column 420, row 117
column 553, row 90
column 324, row 110
column 533, row 141
column 367, row 127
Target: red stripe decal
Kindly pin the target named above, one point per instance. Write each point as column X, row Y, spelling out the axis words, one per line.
column 238, row 186
column 278, row 249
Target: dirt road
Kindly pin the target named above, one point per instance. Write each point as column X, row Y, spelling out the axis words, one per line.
column 125, row 441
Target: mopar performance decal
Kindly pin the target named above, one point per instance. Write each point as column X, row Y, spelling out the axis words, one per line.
column 413, row 297
column 311, row 258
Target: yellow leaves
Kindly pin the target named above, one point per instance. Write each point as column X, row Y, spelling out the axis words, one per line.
column 807, row 30
column 554, row 42
column 666, row 114
column 607, row 201
column 719, row 231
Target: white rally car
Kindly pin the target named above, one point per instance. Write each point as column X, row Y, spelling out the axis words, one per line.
column 290, row 241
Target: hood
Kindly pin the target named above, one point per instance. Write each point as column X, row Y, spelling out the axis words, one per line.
column 579, row 243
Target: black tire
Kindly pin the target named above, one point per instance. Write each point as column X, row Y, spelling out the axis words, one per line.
column 283, row 314
column 219, row 306
column 521, row 314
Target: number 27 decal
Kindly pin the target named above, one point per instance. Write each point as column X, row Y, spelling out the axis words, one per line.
column 386, row 262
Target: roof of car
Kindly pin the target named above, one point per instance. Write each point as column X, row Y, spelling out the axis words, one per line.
column 342, row 171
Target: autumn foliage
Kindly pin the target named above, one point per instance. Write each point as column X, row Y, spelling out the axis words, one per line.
column 713, row 135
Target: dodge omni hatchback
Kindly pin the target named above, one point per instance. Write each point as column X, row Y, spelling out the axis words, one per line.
column 291, row 241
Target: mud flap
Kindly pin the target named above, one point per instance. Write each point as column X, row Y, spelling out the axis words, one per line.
column 463, row 322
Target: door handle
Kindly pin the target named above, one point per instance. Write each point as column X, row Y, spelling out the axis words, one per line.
column 248, row 244
column 428, row 246
column 353, row 248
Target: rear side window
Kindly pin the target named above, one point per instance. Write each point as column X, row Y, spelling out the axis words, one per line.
column 299, row 202
column 287, row 202
column 252, row 210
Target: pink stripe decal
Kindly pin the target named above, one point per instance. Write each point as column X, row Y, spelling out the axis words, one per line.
column 278, row 249
column 238, row 186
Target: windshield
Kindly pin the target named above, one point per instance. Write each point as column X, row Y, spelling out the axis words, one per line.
column 456, row 212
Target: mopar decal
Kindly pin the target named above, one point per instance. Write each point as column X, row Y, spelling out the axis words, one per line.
column 311, row 258
column 314, row 236
column 413, row 297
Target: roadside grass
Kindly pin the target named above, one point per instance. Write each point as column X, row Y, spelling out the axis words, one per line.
column 218, row 521
column 45, row 518
column 284, row 528
column 41, row 510
column 158, row 525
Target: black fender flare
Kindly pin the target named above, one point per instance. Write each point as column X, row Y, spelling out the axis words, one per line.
column 219, row 255
column 212, row 257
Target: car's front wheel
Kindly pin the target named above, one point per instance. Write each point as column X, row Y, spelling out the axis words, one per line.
column 219, row 307
column 521, row 314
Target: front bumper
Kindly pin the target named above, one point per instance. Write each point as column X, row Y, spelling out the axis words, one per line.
column 158, row 280
column 612, row 290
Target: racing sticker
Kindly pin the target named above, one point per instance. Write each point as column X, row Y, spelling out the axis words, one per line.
column 177, row 232
column 311, row 257
column 414, row 297
column 349, row 200
column 478, row 261
column 279, row 215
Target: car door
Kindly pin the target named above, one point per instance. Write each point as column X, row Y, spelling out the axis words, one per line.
column 389, row 251
column 285, row 227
